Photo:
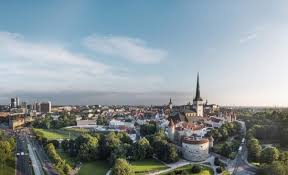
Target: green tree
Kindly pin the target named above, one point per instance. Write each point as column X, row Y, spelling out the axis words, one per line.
column 142, row 149
column 269, row 155
column 122, row 167
column 5, row 151
column 254, row 149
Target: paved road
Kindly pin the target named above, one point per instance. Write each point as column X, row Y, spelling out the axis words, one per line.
column 23, row 166
column 242, row 167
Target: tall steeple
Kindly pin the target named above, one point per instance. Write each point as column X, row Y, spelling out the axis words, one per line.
column 170, row 104
column 198, row 97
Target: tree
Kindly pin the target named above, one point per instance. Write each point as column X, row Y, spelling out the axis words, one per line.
column 254, row 149
column 284, row 157
column 65, row 145
column 172, row 153
column 5, row 151
column 226, row 150
column 269, row 155
column 122, row 167
column 148, row 129
column 276, row 168
column 142, row 149
column 88, row 147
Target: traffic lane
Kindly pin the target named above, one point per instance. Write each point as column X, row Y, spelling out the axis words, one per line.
column 23, row 161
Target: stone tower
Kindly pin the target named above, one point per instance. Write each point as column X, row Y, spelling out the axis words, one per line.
column 171, row 130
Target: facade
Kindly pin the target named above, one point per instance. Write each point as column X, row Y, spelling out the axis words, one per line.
column 16, row 120
column 195, row 149
column 86, row 122
column 45, row 107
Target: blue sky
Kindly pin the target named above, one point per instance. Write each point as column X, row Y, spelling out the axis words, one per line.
column 144, row 52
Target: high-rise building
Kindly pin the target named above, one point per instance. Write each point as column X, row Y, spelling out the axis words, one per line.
column 198, row 101
column 45, row 107
column 17, row 102
column 13, row 103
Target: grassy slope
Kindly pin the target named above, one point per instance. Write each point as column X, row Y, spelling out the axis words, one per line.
column 142, row 166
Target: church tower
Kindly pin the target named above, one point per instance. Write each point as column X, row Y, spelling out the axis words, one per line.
column 198, row 101
column 170, row 104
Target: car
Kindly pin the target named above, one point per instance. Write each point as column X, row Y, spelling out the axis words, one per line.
column 17, row 154
column 22, row 153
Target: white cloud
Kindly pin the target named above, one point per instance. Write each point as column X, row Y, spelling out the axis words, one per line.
column 132, row 49
column 248, row 37
column 27, row 65
column 13, row 46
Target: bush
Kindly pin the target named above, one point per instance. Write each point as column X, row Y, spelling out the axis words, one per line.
column 219, row 170
column 196, row 169
column 217, row 161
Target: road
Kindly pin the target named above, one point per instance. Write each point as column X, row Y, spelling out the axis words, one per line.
column 242, row 167
column 23, row 166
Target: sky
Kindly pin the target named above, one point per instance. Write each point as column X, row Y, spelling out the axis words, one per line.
column 144, row 52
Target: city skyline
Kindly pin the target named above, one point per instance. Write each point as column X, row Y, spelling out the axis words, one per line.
column 91, row 52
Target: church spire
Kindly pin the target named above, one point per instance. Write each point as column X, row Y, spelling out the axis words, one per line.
column 198, row 97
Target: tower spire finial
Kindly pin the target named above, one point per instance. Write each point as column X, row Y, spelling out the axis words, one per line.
column 198, row 97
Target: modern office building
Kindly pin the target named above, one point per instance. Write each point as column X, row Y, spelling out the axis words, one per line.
column 13, row 103
column 45, row 107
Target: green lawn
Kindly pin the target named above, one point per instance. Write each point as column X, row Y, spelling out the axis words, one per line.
column 94, row 168
column 8, row 169
column 204, row 170
column 52, row 134
column 148, row 165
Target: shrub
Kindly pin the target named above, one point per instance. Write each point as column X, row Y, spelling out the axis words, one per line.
column 196, row 169
column 217, row 161
column 219, row 170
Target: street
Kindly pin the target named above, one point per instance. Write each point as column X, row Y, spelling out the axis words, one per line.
column 242, row 167
column 23, row 166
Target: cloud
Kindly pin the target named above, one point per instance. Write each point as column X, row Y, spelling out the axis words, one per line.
column 32, row 66
column 14, row 46
column 132, row 49
column 248, row 37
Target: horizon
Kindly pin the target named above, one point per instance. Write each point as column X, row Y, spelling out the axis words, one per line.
column 93, row 52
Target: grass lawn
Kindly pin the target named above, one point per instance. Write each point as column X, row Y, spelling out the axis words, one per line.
column 204, row 170
column 94, row 168
column 148, row 165
column 8, row 169
column 51, row 134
